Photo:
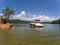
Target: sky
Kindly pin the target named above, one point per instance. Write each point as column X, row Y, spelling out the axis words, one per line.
column 44, row 10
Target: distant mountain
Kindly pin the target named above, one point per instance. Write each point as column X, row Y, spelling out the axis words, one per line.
column 46, row 22
column 26, row 22
column 19, row 21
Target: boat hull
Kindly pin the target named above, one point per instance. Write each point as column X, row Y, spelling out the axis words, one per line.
column 33, row 25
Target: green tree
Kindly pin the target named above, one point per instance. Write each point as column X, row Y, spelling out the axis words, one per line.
column 8, row 12
column 56, row 21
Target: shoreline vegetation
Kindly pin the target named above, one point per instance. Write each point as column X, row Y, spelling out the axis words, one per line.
column 56, row 21
column 27, row 22
column 19, row 21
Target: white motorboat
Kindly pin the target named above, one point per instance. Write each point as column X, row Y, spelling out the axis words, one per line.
column 36, row 23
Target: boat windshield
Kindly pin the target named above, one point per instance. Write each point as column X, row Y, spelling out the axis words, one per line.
column 36, row 22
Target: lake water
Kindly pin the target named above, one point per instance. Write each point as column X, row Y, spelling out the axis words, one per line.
column 22, row 34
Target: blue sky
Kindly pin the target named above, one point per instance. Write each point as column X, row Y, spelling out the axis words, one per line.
column 49, row 8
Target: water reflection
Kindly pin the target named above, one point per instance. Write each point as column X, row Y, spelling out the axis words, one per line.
column 36, row 29
column 5, row 37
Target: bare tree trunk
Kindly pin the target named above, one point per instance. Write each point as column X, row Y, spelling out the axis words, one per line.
column 8, row 17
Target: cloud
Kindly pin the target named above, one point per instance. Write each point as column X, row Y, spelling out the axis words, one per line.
column 30, row 17
column 19, row 16
column 43, row 18
column 1, row 14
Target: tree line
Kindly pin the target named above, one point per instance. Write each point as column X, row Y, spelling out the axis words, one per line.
column 56, row 21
